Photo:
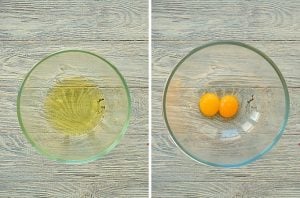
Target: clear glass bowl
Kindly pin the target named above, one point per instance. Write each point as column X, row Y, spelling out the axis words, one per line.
column 226, row 67
column 74, row 106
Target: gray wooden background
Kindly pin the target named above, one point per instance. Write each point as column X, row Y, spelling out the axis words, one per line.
column 271, row 26
column 33, row 29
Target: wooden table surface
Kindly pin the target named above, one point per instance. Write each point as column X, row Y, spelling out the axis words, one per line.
column 31, row 30
column 271, row 26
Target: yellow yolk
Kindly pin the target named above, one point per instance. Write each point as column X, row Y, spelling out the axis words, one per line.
column 209, row 104
column 228, row 106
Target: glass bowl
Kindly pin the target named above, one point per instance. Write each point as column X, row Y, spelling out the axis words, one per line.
column 74, row 106
column 226, row 68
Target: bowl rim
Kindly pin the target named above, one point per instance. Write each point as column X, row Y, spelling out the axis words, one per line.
column 91, row 158
column 275, row 139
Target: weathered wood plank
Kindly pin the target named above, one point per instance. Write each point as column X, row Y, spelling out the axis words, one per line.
column 167, row 54
column 229, row 19
column 73, row 20
column 95, row 188
column 17, row 58
column 122, row 173
column 227, row 189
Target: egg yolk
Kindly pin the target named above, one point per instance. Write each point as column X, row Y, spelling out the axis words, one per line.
column 228, row 106
column 209, row 104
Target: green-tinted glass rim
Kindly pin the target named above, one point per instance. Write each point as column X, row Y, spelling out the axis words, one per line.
column 281, row 129
column 102, row 152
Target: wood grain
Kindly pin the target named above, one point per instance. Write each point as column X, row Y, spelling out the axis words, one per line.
column 167, row 54
column 73, row 20
column 25, row 173
column 73, row 189
column 229, row 189
column 228, row 19
column 18, row 57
